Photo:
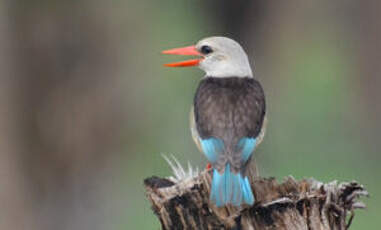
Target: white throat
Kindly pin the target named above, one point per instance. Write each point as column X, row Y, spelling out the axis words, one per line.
column 229, row 70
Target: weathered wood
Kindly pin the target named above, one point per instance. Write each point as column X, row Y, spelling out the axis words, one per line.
column 306, row 204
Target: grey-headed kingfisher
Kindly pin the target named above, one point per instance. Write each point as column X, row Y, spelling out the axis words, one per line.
column 227, row 117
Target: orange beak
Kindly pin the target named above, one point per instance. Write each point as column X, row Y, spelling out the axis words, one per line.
column 189, row 50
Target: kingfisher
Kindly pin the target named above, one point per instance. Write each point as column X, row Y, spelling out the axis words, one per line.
column 227, row 116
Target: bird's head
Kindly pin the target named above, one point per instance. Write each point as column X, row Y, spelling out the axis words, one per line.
column 218, row 57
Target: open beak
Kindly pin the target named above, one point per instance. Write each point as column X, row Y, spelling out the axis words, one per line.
column 189, row 50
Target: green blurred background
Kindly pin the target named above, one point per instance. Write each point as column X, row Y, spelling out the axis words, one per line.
column 87, row 108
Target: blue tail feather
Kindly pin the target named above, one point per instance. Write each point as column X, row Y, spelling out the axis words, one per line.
column 230, row 188
column 248, row 194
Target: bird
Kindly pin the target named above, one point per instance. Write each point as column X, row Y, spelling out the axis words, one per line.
column 228, row 115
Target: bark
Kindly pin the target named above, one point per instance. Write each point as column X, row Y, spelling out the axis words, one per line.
column 306, row 204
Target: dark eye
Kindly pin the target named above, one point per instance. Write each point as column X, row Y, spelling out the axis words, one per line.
column 206, row 50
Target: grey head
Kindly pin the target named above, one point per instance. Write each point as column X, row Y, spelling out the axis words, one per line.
column 223, row 57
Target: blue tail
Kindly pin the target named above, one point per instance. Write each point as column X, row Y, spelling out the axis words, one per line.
column 230, row 188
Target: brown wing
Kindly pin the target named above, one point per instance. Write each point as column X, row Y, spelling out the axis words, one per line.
column 224, row 107
column 229, row 109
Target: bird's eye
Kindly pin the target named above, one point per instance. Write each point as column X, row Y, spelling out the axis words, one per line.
column 206, row 49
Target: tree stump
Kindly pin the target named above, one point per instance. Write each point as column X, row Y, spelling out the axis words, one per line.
column 306, row 204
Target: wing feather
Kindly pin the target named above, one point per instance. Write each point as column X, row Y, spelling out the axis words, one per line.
column 231, row 110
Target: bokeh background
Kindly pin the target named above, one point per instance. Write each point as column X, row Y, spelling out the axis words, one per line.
column 86, row 108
